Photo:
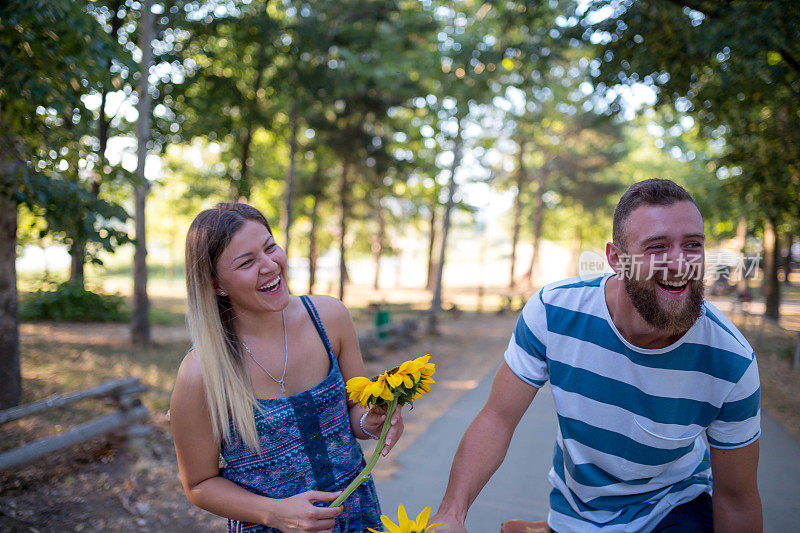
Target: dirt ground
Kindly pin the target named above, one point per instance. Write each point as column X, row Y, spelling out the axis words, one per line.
column 117, row 485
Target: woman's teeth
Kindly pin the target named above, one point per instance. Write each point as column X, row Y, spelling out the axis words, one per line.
column 271, row 285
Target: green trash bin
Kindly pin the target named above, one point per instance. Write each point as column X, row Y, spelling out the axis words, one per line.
column 382, row 317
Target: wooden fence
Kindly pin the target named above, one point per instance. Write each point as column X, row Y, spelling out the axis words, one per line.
column 123, row 392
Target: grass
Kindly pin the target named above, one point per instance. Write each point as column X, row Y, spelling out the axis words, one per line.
column 53, row 362
column 59, row 358
column 780, row 382
column 164, row 310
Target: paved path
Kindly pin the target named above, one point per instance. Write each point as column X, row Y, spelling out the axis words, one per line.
column 519, row 489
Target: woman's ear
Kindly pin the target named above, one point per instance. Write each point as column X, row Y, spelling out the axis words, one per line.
column 219, row 291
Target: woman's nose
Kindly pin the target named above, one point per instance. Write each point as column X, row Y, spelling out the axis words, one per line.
column 266, row 263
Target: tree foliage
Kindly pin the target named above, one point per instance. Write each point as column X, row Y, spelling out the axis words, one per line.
column 733, row 67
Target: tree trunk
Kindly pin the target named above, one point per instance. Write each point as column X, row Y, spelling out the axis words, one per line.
column 240, row 189
column 741, row 240
column 538, row 217
column 103, row 122
column 517, row 214
column 312, row 246
column 771, row 287
column 436, row 302
column 377, row 243
column 786, row 259
column 77, row 256
column 577, row 244
column 78, row 249
column 288, row 197
column 343, row 207
column 577, row 241
column 10, row 377
column 140, row 315
column 432, row 244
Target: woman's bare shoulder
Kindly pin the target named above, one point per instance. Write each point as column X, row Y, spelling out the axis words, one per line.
column 189, row 379
column 330, row 308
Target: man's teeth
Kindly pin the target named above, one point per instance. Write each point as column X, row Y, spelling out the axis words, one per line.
column 673, row 283
column 270, row 286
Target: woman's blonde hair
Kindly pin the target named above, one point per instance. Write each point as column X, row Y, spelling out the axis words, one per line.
column 210, row 318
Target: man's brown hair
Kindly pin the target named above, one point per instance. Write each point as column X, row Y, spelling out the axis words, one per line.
column 647, row 192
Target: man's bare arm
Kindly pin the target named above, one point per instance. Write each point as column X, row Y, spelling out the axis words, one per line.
column 483, row 447
column 736, row 502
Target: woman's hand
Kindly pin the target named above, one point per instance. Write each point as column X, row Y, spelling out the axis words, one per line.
column 373, row 423
column 297, row 514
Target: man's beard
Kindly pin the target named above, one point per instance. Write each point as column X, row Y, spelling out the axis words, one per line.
column 675, row 319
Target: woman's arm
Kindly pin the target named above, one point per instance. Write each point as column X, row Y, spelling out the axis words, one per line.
column 344, row 341
column 198, row 464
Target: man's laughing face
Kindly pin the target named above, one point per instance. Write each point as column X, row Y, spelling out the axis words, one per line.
column 665, row 255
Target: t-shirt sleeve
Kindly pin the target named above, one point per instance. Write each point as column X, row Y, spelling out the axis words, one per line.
column 739, row 421
column 526, row 354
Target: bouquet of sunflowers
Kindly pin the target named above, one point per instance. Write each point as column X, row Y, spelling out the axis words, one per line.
column 398, row 386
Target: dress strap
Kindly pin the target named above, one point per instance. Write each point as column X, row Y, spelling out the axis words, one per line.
column 312, row 312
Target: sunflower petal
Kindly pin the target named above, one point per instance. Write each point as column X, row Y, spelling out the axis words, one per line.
column 387, row 395
column 388, row 524
column 394, row 380
column 402, row 517
column 422, row 518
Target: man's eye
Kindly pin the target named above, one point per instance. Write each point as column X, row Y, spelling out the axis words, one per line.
column 694, row 245
column 655, row 247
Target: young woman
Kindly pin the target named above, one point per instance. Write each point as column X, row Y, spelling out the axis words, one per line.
column 263, row 431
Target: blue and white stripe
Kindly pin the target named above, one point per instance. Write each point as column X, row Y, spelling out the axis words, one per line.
column 630, row 444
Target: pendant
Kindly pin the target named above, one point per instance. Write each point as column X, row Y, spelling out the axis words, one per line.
column 283, row 387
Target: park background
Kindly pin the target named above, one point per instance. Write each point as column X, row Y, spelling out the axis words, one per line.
column 439, row 160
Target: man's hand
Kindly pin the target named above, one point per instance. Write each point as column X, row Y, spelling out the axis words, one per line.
column 450, row 524
column 483, row 447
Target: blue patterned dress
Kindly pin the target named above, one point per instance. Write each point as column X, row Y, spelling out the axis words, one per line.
column 307, row 444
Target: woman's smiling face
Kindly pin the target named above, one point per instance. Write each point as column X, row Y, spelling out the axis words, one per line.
column 251, row 271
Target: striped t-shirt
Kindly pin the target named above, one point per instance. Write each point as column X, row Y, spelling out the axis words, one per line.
column 630, row 445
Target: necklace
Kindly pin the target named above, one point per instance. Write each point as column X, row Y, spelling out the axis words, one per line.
column 285, row 357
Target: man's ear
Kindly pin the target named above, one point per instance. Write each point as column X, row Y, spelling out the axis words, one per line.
column 614, row 257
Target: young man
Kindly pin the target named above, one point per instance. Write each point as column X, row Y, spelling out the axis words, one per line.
column 640, row 367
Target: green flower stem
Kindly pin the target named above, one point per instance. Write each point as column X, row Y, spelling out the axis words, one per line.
column 364, row 474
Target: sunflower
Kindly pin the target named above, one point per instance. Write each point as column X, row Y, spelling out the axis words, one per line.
column 406, row 383
column 366, row 391
column 404, row 525
column 398, row 386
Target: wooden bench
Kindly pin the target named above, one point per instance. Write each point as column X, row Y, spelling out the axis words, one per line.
column 124, row 393
column 394, row 335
